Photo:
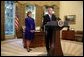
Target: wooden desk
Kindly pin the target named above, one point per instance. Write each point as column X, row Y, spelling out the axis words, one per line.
column 38, row 41
column 68, row 34
column 79, row 36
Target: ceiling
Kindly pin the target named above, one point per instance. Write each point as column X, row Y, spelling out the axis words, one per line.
column 40, row 3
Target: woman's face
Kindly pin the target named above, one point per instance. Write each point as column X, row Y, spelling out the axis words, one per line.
column 30, row 14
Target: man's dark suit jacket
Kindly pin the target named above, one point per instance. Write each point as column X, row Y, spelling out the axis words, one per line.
column 46, row 19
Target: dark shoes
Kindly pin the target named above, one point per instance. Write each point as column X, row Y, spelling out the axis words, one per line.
column 29, row 50
column 25, row 47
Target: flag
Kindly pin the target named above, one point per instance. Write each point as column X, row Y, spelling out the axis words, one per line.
column 16, row 23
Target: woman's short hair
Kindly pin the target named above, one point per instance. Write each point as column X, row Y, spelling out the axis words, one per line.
column 29, row 12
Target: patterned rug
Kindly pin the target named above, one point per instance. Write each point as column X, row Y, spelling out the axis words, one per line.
column 14, row 47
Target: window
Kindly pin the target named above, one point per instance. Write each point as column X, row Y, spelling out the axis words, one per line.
column 9, row 17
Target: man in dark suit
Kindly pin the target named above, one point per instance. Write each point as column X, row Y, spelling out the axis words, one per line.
column 47, row 18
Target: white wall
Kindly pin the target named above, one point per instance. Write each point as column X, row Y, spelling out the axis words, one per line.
column 73, row 8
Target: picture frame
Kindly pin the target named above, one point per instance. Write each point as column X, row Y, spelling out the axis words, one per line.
column 71, row 19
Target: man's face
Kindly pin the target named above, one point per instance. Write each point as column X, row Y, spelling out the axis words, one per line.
column 50, row 10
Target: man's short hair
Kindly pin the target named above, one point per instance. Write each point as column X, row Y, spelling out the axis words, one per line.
column 50, row 7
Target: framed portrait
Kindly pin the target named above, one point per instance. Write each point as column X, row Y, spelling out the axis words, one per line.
column 71, row 19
